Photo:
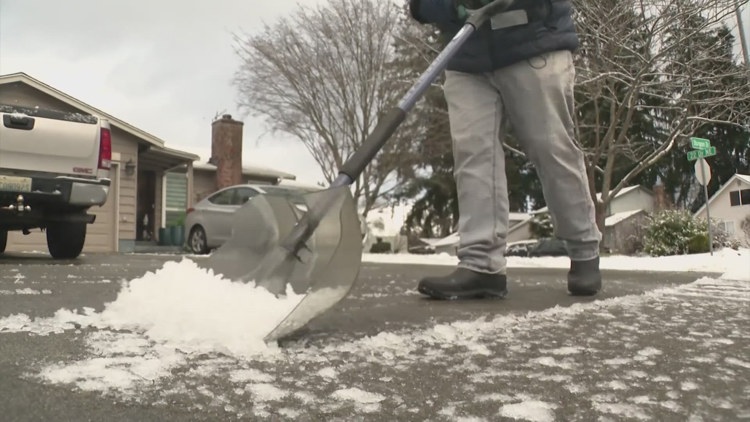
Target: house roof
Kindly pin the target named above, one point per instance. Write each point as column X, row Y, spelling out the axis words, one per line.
column 619, row 217
column 54, row 92
column 519, row 216
column 742, row 178
column 249, row 171
column 155, row 143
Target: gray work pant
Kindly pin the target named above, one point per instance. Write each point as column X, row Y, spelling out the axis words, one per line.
column 535, row 99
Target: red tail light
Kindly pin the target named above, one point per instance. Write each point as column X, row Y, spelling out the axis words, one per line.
column 105, row 149
column 189, row 210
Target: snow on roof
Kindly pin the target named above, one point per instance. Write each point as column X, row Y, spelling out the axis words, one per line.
column 619, row 217
column 248, row 170
column 622, row 191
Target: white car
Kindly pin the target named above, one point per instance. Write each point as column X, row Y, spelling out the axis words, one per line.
column 208, row 223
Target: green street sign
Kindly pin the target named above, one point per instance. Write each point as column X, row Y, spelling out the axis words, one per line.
column 701, row 153
column 700, row 143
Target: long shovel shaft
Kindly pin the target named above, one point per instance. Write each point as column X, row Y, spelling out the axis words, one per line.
column 387, row 125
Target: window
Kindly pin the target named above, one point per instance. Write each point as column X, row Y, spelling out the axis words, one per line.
column 175, row 198
column 727, row 227
column 734, row 198
column 222, row 198
column 739, row 197
column 244, row 194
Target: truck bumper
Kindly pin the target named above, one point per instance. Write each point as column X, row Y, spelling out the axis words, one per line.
column 61, row 191
column 88, row 194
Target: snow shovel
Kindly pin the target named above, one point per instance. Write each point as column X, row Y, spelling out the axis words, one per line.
column 312, row 243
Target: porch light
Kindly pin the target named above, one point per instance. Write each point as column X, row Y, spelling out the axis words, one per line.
column 130, row 167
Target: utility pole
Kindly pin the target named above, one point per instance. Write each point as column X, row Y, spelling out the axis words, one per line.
column 743, row 38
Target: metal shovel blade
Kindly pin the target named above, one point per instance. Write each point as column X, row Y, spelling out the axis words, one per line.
column 324, row 268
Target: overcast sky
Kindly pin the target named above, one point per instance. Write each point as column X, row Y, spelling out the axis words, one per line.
column 164, row 66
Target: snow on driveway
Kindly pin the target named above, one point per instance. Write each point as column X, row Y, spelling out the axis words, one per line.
column 642, row 357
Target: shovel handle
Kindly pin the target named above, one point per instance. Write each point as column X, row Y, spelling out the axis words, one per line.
column 388, row 124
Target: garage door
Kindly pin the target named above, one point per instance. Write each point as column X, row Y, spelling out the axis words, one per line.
column 100, row 236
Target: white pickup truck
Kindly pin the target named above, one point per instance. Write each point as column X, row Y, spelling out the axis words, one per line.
column 54, row 166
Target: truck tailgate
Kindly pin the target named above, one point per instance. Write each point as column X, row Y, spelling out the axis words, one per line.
column 63, row 143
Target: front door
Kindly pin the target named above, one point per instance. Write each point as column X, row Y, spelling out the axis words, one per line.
column 146, row 205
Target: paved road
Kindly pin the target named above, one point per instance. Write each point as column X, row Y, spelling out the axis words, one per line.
column 650, row 347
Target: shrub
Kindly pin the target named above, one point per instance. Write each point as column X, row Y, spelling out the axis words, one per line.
column 541, row 226
column 698, row 244
column 674, row 232
column 381, row 247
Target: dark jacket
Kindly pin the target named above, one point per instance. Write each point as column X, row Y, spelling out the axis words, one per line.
column 550, row 28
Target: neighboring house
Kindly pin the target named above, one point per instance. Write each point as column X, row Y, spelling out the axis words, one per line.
column 205, row 177
column 631, row 198
column 204, row 184
column 385, row 225
column 624, row 213
column 730, row 206
column 140, row 162
column 622, row 231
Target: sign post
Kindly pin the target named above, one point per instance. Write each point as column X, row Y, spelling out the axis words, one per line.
column 702, row 148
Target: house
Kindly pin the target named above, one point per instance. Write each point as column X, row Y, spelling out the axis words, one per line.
column 624, row 215
column 204, row 177
column 223, row 168
column 151, row 184
column 730, row 206
column 631, row 198
column 204, row 184
column 621, row 231
column 140, row 162
column 385, row 225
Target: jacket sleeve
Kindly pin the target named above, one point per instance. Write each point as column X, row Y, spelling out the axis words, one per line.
column 438, row 12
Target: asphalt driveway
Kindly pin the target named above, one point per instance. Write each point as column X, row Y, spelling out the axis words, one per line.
column 652, row 346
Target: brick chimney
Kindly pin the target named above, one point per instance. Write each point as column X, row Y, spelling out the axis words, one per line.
column 226, row 151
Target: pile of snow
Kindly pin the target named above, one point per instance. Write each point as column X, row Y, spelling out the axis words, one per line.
column 182, row 307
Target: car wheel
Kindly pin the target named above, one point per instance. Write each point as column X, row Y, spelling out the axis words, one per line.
column 65, row 240
column 197, row 241
column 3, row 240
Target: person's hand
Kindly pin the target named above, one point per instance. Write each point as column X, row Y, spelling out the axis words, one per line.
column 463, row 6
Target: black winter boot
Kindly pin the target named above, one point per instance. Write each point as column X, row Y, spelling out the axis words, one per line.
column 584, row 277
column 464, row 284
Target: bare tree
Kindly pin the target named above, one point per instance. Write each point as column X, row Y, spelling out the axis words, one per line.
column 645, row 62
column 323, row 76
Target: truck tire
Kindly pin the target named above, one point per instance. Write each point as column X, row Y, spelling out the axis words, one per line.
column 3, row 240
column 65, row 240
